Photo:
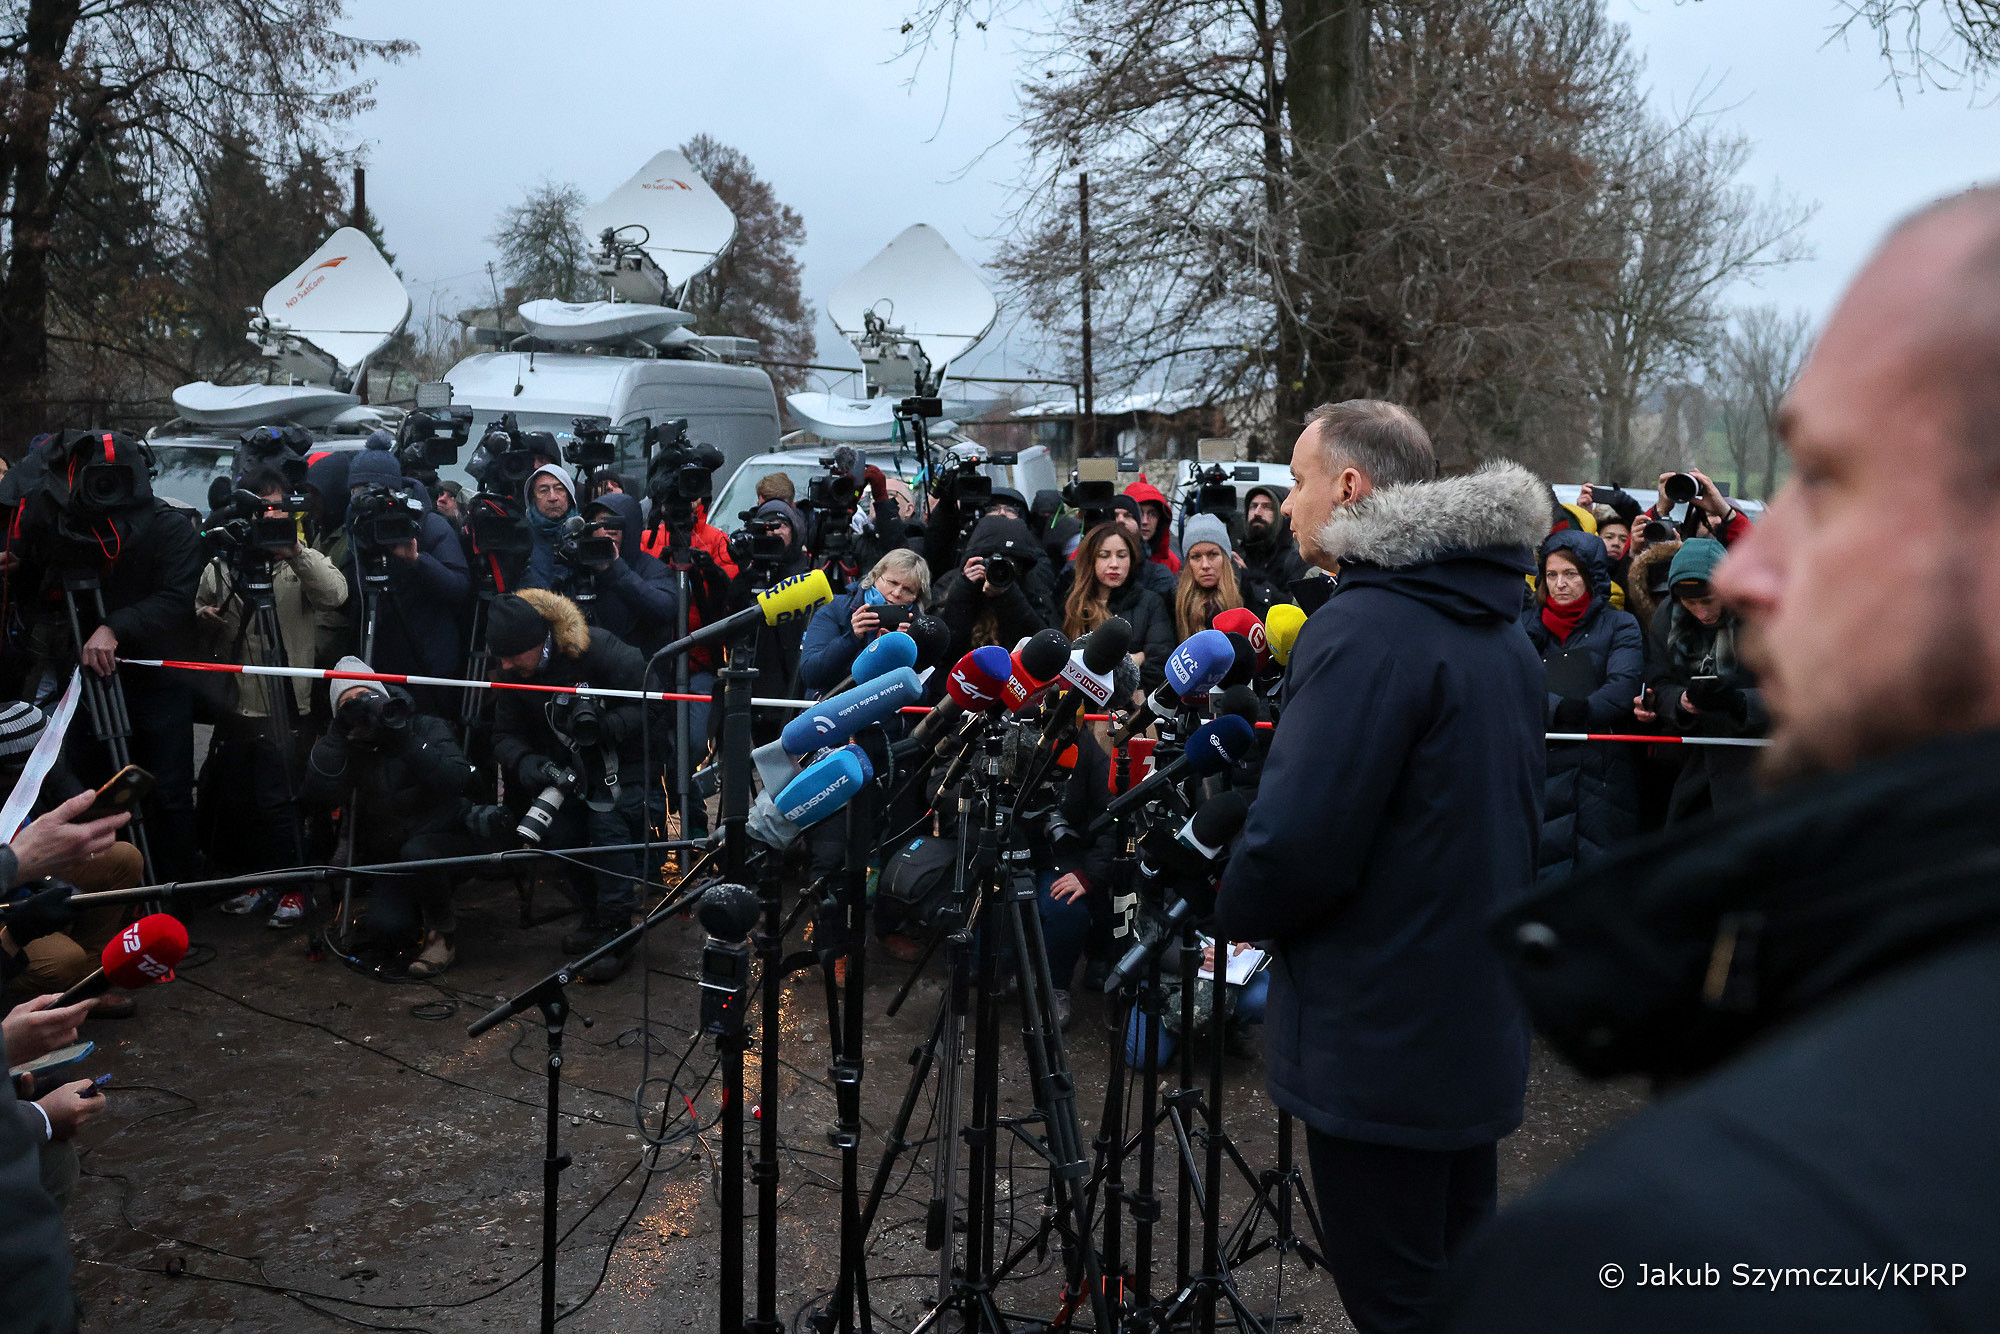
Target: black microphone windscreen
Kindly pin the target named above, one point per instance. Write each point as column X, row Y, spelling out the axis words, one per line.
column 1044, row 654
column 1245, row 665
column 727, row 912
column 1220, row 818
column 1238, row 700
column 933, row 640
column 1104, row 648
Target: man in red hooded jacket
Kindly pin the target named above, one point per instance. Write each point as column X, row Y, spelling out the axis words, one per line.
column 1156, row 524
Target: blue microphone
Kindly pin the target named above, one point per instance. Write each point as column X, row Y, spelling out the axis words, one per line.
column 882, row 654
column 1194, row 668
column 827, row 784
column 835, row 719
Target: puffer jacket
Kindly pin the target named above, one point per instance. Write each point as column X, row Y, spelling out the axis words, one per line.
column 408, row 783
column 1591, row 801
column 583, row 655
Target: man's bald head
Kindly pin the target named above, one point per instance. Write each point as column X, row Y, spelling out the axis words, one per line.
column 1870, row 627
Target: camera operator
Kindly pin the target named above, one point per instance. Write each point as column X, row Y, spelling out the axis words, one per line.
column 417, row 619
column 247, row 808
column 551, row 497
column 635, row 591
column 95, row 516
column 1710, row 511
column 1000, row 595
column 1398, row 811
column 1699, row 684
column 402, row 777
column 450, row 503
column 584, row 754
column 1156, row 522
column 768, row 549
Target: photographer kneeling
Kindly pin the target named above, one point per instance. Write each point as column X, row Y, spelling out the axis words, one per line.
column 401, row 777
column 579, row 760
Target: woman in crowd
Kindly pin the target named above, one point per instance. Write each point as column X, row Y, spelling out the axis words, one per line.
column 999, row 594
column 843, row 627
column 1594, row 654
column 1207, row 585
column 1106, row 585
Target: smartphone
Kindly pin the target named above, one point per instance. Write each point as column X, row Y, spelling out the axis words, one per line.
column 892, row 616
column 1646, row 700
column 96, row 1089
column 127, row 788
column 48, row 1064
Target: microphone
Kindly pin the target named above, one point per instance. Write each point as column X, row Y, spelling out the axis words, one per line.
column 784, row 602
column 140, row 955
column 1243, row 621
column 974, row 686
column 1192, row 669
column 1281, row 627
column 933, row 638
column 727, row 913
column 1245, row 665
column 1217, row 745
column 1238, row 700
column 825, row 785
column 883, row 653
column 1036, row 664
column 1085, row 678
column 1188, row 857
column 835, row 719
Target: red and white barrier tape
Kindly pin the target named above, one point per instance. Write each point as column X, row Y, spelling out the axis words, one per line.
column 669, row 696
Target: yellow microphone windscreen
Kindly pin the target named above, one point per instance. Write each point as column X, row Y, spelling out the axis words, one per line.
column 795, row 598
column 1281, row 626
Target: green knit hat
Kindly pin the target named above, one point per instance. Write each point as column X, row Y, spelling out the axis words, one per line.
column 1695, row 562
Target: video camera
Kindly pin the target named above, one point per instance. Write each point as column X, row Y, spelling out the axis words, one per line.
column 758, row 540
column 593, row 444
column 1213, row 488
column 283, row 448
column 1091, row 500
column 505, row 455
column 679, row 473
column 432, row 434
column 381, row 517
column 582, row 543
column 241, row 522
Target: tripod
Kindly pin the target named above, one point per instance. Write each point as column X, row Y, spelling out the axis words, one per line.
column 104, row 698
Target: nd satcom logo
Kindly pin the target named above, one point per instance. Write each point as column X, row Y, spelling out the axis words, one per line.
column 313, row 278
column 666, row 183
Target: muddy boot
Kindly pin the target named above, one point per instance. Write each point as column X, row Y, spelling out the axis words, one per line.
column 437, row 956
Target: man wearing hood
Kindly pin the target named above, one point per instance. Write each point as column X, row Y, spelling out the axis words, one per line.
column 635, row 592
column 1399, row 809
column 1271, row 559
column 1156, row 523
column 777, row 645
column 981, row 605
column 551, row 497
column 417, row 622
column 145, row 557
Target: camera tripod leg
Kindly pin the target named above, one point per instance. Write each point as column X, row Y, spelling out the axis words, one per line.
column 104, row 702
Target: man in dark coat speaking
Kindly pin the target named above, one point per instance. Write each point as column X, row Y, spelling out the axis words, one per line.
column 1399, row 810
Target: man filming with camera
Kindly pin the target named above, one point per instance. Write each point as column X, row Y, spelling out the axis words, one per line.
column 406, row 570
column 1399, row 809
column 573, row 764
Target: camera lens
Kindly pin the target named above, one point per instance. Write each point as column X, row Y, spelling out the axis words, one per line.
column 1681, row 489
column 541, row 813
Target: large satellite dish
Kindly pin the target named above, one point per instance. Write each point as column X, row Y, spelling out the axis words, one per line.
column 345, row 300
column 920, row 286
column 667, row 210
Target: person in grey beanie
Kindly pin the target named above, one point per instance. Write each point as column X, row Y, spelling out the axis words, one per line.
column 1207, row 585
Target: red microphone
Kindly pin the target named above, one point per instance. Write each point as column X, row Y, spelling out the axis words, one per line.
column 974, row 686
column 1243, row 621
column 140, row 955
column 1036, row 665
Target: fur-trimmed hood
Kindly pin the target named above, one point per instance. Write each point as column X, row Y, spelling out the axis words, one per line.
column 1657, row 558
column 1418, row 523
column 569, row 631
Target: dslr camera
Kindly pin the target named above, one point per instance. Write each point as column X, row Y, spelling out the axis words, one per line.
column 371, row 717
column 1003, row 571
column 548, row 803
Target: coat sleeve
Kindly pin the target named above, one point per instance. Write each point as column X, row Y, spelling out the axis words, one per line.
column 325, row 586
column 650, row 603
column 1154, row 636
column 829, row 647
column 438, row 574
column 1351, row 718
column 434, row 757
column 173, row 561
column 1611, row 703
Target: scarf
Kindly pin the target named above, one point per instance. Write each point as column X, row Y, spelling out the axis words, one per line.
column 1562, row 621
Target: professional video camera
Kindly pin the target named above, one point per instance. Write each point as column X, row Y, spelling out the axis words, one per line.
column 758, row 540
column 1091, row 500
column 960, row 475
column 581, row 545
column 432, row 434
column 592, row 444
column 504, row 457
column 381, row 517
column 1211, row 490
column 241, row 521
column 679, row 473
column 281, row 447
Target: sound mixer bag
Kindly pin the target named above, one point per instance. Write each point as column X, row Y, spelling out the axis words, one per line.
column 919, row 877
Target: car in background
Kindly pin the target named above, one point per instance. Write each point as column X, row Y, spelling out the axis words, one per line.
column 1032, row 470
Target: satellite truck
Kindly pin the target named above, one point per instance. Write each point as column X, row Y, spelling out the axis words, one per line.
column 632, row 360
column 317, row 328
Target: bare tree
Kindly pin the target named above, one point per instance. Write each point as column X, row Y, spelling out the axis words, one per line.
column 1759, row 360
column 754, row 290
column 542, row 248
column 1936, row 42
column 160, row 77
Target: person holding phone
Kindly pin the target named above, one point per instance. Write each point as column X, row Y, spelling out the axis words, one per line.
column 842, row 628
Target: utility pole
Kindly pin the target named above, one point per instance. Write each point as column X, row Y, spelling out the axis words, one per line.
column 1086, row 442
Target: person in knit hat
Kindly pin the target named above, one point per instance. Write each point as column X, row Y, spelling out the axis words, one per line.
column 551, row 493
column 1208, row 585
column 417, row 630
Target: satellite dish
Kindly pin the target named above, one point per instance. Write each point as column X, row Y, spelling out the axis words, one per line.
column 854, row 421
column 344, row 300
column 600, row 321
column 681, row 224
column 235, row 407
column 920, row 286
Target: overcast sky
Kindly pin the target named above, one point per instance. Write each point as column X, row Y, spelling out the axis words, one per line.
column 508, row 93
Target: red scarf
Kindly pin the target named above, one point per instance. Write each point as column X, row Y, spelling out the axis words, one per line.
column 1562, row 621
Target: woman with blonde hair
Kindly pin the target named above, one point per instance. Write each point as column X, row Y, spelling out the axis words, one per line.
column 1207, row 586
column 842, row 628
column 1106, row 584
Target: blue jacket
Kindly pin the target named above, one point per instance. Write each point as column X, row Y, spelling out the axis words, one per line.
column 1399, row 810
column 830, row 645
column 1591, row 801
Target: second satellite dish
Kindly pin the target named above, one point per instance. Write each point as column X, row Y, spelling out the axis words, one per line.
column 686, row 226
column 345, row 300
column 918, row 284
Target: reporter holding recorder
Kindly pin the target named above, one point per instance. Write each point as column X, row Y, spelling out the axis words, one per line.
column 1400, row 808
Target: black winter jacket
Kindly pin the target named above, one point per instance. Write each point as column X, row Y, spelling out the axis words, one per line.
column 523, row 735
column 412, row 782
column 417, row 624
column 635, row 593
column 1591, row 802
column 1017, row 612
column 148, row 562
column 1825, row 967
column 1270, row 561
column 1152, row 618
column 1678, row 649
column 1399, row 809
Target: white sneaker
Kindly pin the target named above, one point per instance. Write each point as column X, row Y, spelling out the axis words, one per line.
column 250, row 901
column 291, row 910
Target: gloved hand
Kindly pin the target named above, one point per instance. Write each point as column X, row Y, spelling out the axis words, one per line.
column 489, row 821
column 42, row 913
column 1572, row 715
column 540, row 771
column 878, row 485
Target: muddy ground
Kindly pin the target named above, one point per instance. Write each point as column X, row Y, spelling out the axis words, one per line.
column 293, row 1145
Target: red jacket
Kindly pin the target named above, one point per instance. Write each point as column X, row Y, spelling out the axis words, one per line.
column 1162, row 553
column 706, row 537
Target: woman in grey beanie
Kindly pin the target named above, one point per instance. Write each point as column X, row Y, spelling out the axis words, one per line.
column 1208, row 585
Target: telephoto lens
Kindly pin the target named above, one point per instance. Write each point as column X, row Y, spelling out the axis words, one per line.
column 542, row 812
column 1681, row 489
